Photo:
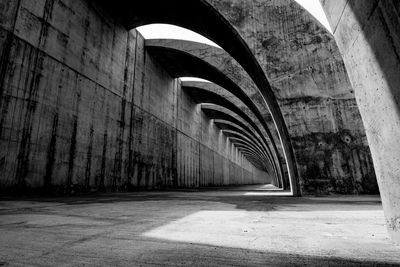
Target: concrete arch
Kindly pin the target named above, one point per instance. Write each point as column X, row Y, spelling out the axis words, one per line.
column 251, row 157
column 258, row 159
column 308, row 76
column 203, row 96
column 169, row 50
column 303, row 66
column 201, row 17
column 107, row 117
column 216, row 89
column 188, row 65
column 221, row 113
column 234, row 136
column 227, row 125
column 367, row 34
column 245, row 135
column 231, row 126
column 218, row 112
column 268, row 51
column 250, row 154
column 256, row 149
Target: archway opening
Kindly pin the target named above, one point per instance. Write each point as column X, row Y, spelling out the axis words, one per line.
column 203, row 18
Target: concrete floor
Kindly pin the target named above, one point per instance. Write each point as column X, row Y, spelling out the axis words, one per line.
column 231, row 227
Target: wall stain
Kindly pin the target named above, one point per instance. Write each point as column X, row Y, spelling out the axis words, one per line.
column 88, row 168
column 51, row 151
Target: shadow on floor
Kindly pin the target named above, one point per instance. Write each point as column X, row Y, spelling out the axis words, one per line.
column 115, row 235
column 233, row 197
column 201, row 255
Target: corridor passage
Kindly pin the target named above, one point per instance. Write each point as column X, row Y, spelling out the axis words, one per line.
column 234, row 226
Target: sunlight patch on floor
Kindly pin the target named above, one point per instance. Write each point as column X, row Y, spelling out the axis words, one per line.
column 347, row 233
column 271, row 193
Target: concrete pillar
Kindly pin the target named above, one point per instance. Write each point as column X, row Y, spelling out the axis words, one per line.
column 368, row 36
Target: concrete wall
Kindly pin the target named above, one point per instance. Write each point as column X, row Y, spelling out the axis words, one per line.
column 84, row 107
column 307, row 74
column 368, row 36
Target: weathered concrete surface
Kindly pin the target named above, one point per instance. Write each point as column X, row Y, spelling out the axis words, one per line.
column 83, row 106
column 368, row 36
column 281, row 41
column 54, row 134
column 202, row 18
column 217, row 112
column 213, row 88
column 322, row 117
column 228, row 96
column 234, row 227
column 203, row 96
column 307, row 74
column 205, row 155
column 220, row 68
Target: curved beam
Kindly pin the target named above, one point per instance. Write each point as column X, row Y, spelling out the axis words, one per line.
column 236, row 129
column 204, row 96
column 216, row 89
column 230, row 126
column 249, row 154
column 218, row 112
column 230, row 133
column 256, row 153
column 251, row 157
column 167, row 52
column 201, row 17
column 257, row 156
column 233, row 134
column 189, row 65
column 192, row 66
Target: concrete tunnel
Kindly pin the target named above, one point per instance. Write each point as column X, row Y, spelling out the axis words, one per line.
column 285, row 152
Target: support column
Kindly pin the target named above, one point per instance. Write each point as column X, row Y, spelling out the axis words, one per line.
column 368, row 36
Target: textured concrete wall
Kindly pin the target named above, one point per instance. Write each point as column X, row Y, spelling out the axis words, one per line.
column 83, row 107
column 368, row 36
column 308, row 77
